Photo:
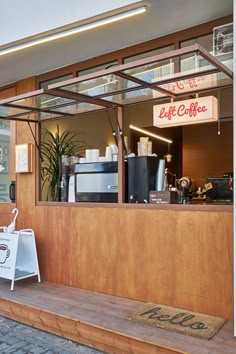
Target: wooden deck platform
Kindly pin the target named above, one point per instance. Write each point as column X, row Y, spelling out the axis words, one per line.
column 98, row 320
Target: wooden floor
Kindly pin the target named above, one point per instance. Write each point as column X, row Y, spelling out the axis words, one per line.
column 98, row 320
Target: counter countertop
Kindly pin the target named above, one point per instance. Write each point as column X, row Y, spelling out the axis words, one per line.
column 178, row 207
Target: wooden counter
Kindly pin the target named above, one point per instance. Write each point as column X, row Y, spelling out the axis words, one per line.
column 178, row 255
column 181, row 207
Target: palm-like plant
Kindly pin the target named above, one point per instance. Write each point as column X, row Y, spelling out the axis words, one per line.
column 53, row 147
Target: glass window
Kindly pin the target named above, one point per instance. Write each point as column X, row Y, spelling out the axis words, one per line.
column 97, row 86
column 150, row 72
column 94, row 69
column 5, row 147
column 45, row 84
column 205, row 41
column 193, row 61
column 148, row 54
column 4, row 160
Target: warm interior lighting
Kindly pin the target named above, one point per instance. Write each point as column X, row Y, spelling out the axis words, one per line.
column 150, row 134
column 75, row 30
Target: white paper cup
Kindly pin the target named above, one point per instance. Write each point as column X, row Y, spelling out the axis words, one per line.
column 114, row 149
column 95, row 155
column 108, row 153
column 88, row 155
column 114, row 157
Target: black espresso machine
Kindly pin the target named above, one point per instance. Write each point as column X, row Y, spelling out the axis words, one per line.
column 96, row 182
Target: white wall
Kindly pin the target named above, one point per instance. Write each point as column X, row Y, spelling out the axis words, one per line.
column 23, row 18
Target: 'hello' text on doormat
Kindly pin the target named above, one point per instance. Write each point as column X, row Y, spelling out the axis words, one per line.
column 179, row 320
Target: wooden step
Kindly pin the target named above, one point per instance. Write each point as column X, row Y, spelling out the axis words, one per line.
column 98, row 320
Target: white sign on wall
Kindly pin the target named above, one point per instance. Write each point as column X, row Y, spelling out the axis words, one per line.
column 198, row 110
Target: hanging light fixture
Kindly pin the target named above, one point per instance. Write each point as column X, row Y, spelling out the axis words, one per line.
column 168, row 155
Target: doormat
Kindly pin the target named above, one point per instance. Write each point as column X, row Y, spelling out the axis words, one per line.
column 178, row 320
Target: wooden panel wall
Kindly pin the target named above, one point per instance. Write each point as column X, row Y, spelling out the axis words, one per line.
column 25, row 182
column 205, row 153
column 179, row 258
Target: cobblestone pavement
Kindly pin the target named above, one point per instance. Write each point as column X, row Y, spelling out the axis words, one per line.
column 20, row 339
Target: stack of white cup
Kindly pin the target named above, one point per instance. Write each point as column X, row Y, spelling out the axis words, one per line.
column 92, row 155
column 95, row 155
column 108, row 154
column 88, row 155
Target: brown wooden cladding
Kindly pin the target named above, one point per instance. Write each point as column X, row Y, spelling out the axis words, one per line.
column 178, row 258
column 84, row 333
column 25, row 182
column 205, row 153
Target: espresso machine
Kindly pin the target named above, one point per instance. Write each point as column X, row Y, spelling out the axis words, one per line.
column 96, row 182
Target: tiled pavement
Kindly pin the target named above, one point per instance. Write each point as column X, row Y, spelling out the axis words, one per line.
column 21, row 339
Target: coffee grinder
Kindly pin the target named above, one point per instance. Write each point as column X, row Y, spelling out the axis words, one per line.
column 184, row 184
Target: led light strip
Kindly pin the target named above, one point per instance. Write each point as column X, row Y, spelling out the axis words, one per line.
column 72, row 31
column 150, row 134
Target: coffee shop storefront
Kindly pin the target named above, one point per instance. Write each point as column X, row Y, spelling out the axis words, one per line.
column 178, row 254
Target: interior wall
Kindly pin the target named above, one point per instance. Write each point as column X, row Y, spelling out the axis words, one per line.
column 208, row 148
column 93, row 128
column 210, row 158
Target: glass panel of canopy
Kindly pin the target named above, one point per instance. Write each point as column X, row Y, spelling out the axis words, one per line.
column 173, row 74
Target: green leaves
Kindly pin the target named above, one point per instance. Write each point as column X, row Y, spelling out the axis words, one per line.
column 53, row 146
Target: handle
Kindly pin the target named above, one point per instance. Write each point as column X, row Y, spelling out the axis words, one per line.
column 12, row 191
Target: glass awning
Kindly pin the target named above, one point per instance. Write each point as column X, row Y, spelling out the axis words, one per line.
column 174, row 74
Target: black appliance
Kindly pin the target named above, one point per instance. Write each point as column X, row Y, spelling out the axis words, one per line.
column 64, row 187
column 96, row 182
column 142, row 172
column 219, row 188
column 64, row 183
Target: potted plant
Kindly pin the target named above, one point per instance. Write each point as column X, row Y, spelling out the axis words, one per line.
column 53, row 147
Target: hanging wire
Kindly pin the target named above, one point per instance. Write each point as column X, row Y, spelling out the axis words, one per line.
column 113, row 131
column 120, row 132
column 36, row 143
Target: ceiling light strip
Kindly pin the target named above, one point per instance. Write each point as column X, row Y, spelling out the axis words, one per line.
column 150, row 134
column 75, row 30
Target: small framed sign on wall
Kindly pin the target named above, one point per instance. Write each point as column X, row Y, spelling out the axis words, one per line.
column 24, row 158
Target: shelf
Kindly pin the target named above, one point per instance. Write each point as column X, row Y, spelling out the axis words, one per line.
column 20, row 274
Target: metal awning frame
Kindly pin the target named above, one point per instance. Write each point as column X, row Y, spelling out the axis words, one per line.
column 59, row 90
